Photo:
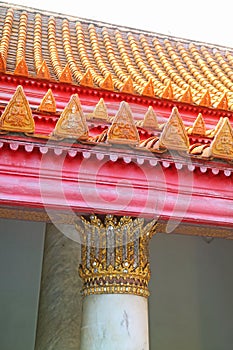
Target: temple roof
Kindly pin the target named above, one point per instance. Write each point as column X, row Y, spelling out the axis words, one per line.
column 87, row 53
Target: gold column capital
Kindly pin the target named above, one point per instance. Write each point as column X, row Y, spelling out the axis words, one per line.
column 115, row 257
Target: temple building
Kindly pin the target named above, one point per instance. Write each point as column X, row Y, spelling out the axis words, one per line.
column 116, row 161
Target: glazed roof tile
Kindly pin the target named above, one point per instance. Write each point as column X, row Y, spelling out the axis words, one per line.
column 69, row 49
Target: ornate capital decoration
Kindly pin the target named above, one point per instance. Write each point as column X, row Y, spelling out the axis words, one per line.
column 115, row 257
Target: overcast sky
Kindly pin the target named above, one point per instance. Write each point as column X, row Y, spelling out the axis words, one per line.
column 201, row 20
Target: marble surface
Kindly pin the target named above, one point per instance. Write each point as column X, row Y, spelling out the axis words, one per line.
column 114, row 322
column 60, row 301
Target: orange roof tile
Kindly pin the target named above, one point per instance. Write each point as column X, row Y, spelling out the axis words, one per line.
column 53, row 47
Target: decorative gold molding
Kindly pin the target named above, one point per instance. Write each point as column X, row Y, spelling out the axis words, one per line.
column 115, row 255
column 62, row 217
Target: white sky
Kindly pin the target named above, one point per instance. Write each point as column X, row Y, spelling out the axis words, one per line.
column 201, row 20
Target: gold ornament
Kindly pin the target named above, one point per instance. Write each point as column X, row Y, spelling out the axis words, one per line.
column 222, row 144
column 114, row 255
column 123, row 129
column 174, row 135
column 17, row 116
column 72, row 122
column 48, row 103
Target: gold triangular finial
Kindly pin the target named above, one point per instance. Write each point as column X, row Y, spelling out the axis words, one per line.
column 100, row 111
column 128, row 86
column 222, row 144
column 168, row 91
column 21, row 68
column 148, row 89
column 66, row 76
column 87, row 79
column 107, row 84
column 205, row 100
column 2, row 63
column 48, row 103
column 72, row 122
column 17, row 115
column 43, row 71
column 223, row 103
column 123, row 129
column 150, row 119
column 187, row 96
column 199, row 127
column 174, row 135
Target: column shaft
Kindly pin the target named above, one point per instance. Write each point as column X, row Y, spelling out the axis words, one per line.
column 115, row 321
column 59, row 318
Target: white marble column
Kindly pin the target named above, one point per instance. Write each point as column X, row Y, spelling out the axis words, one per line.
column 59, row 316
column 115, row 321
column 115, row 272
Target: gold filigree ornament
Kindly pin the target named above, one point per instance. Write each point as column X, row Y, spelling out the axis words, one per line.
column 17, row 116
column 48, row 103
column 123, row 129
column 115, row 255
column 222, row 144
column 174, row 135
column 72, row 122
